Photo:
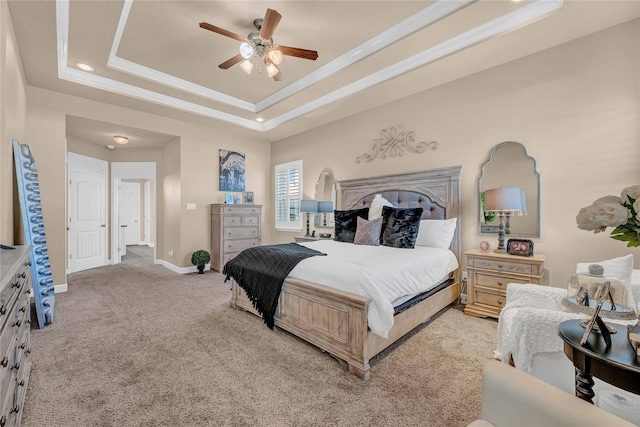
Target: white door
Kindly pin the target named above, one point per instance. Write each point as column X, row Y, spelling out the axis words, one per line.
column 129, row 207
column 87, row 220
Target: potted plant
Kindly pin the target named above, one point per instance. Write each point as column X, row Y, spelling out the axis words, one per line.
column 199, row 259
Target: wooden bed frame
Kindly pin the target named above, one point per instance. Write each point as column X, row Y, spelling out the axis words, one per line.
column 336, row 321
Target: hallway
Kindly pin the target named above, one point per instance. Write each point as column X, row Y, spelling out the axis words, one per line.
column 138, row 255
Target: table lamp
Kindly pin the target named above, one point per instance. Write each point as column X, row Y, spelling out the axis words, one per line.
column 308, row 207
column 504, row 201
column 325, row 207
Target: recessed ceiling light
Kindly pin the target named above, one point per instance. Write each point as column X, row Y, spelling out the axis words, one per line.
column 259, row 120
column 85, row 67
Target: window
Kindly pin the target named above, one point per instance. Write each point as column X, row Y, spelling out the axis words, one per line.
column 288, row 195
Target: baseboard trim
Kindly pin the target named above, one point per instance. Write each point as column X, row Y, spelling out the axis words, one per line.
column 180, row 270
column 58, row 289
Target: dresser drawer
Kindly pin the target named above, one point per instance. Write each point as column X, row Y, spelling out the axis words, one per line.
column 239, row 245
column 496, row 300
column 512, row 267
column 236, row 220
column 241, row 210
column 232, row 233
column 498, row 282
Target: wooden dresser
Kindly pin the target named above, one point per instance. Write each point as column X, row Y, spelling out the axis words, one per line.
column 233, row 229
column 488, row 276
column 15, row 324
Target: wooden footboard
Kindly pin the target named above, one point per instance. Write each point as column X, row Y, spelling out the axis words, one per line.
column 336, row 321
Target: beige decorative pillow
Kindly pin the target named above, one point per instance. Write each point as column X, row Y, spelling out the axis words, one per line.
column 368, row 232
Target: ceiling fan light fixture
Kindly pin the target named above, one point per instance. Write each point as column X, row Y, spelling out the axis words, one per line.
column 121, row 139
column 247, row 66
column 275, row 55
column 246, row 50
column 272, row 69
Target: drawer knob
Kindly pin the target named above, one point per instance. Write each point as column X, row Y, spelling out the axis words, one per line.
column 500, row 302
column 499, row 265
column 3, row 310
column 22, row 346
column 21, row 383
column 5, row 362
column 18, row 323
column 16, row 366
column 500, row 283
column 3, row 421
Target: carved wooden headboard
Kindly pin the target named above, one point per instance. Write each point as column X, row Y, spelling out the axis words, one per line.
column 437, row 191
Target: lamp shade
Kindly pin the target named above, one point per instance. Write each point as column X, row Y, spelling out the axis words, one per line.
column 309, row 206
column 325, row 206
column 503, row 199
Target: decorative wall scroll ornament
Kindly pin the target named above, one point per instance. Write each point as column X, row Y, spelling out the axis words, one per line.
column 394, row 142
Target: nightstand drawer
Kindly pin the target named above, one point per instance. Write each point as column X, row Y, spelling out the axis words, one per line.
column 511, row 267
column 497, row 282
column 494, row 300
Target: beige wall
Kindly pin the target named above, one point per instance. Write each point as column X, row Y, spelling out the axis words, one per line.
column 189, row 168
column 13, row 113
column 575, row 108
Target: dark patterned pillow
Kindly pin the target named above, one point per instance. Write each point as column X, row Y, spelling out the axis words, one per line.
column 368, row 232
column 400, row 227
column 345, row 223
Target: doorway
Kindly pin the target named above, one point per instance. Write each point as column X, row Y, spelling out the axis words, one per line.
column 133, row 212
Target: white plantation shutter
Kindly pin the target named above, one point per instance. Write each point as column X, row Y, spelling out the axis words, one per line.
column 288, row 195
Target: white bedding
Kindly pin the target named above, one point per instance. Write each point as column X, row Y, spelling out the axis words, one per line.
column 381, row 273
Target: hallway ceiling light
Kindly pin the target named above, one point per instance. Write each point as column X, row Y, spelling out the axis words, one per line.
column 121, row 139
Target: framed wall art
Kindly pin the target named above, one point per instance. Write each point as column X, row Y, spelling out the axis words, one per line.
column 232, row 171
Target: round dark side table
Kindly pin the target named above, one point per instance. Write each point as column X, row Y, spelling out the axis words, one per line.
column 616, row 365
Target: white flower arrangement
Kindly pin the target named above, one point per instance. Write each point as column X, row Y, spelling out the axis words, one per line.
column 622, row 213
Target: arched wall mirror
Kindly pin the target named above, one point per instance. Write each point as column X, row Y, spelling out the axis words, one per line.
column 510, row 166
column 325, row 192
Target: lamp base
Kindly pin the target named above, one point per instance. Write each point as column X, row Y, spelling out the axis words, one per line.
column 308, row 234
column 501, row 249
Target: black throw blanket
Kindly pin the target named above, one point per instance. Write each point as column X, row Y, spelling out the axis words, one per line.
column 261, row 270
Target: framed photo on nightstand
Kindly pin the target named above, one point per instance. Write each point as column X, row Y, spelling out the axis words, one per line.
column 521, row 247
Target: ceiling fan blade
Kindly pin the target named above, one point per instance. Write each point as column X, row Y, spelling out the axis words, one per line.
column 222, row 31
column 269, row 24
column 231, row 62
column 299, row 53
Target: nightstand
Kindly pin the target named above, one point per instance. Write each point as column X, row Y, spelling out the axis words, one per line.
column 307, row 238
column 490, row 272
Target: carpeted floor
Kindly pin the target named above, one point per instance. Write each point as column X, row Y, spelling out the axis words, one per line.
column 142, row 346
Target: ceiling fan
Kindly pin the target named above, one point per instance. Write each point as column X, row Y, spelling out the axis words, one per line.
column 259, row 45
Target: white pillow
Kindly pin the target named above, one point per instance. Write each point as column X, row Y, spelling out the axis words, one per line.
column 436, row 233
column 621, row 268
column 375, row 210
